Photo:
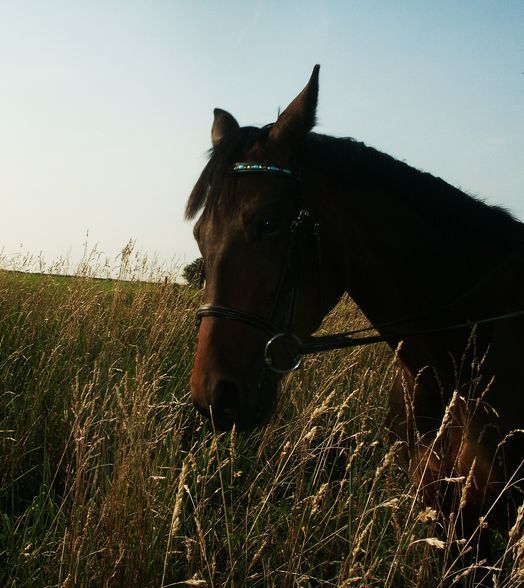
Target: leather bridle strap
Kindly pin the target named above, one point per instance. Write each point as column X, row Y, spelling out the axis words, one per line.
column 227, row 312
column 295, row 349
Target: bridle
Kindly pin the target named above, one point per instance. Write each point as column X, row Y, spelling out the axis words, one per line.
column 303, row 232
column 284, row 350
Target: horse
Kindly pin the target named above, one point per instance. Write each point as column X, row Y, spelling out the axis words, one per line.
column 290, row 221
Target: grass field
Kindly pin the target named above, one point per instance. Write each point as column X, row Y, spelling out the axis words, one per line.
column 108, row 477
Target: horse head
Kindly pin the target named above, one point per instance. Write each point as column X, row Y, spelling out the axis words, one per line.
column 258, row 234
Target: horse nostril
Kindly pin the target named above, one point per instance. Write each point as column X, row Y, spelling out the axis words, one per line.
column 226, row 403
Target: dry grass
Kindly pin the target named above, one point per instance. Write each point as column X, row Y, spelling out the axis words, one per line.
column 109, row 478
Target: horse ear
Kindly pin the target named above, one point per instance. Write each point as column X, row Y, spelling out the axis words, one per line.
column 300, row 116
column 223, row 124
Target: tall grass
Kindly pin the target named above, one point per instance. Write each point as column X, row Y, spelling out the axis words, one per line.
column 109, row 478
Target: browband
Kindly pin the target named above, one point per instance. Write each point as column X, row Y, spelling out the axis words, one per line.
column 246, row 168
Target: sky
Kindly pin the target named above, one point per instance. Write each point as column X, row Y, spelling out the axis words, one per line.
column 106, row 106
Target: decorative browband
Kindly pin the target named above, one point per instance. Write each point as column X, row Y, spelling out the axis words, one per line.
column 242, row 168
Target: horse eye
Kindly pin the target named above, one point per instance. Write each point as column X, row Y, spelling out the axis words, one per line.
column 268, row 225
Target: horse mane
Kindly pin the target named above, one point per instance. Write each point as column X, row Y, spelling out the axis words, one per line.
column 358, row 165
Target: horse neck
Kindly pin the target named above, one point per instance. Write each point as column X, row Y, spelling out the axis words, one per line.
column 398, row 261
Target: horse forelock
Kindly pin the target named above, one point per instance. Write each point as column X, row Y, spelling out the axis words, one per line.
column 217, row 171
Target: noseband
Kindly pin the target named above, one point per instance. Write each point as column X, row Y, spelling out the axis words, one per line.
column 301, row 231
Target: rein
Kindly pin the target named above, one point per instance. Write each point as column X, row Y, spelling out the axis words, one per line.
column 284, row 350
column 292, row 347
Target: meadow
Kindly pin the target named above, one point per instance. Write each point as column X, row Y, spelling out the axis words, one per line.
column 108, row 476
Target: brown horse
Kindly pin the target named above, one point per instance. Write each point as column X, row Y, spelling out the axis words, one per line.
column 414, row 253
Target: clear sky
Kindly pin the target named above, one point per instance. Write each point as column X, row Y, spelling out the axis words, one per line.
column 106, row 106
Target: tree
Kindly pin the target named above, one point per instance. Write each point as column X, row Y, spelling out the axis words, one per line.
column 193, row 273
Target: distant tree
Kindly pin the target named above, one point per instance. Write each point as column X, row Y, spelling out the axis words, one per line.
column 193, row 273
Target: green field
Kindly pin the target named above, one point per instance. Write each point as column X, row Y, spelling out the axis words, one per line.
column 108, row 477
